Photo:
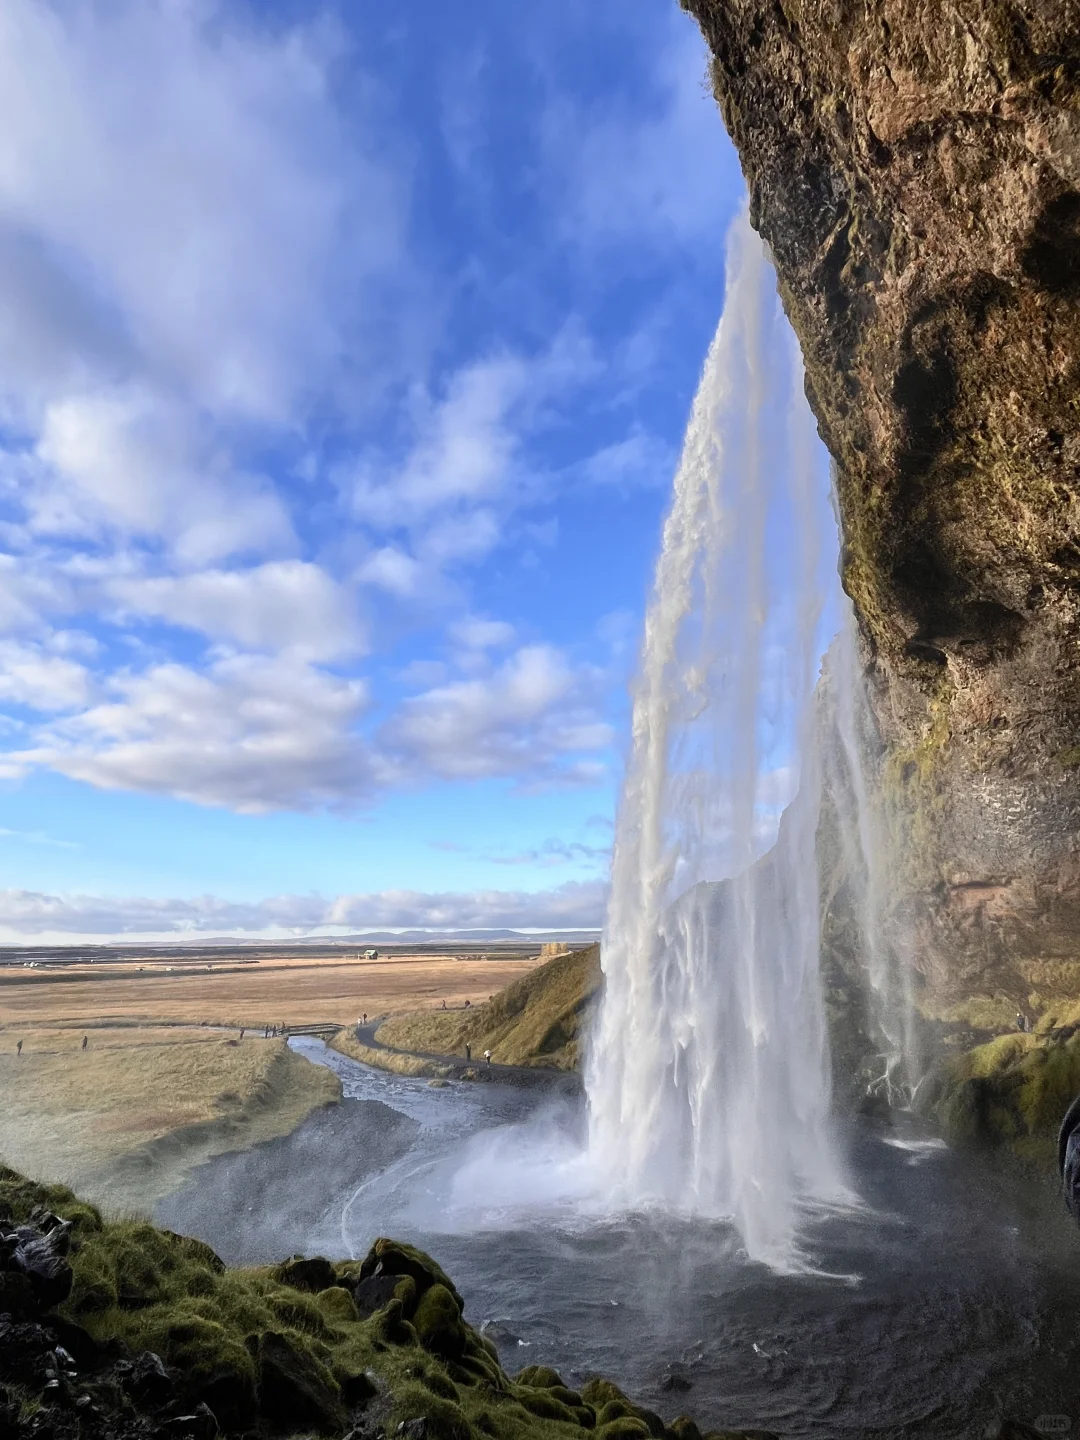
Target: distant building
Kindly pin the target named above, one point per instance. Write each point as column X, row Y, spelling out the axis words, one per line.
column 371, row 954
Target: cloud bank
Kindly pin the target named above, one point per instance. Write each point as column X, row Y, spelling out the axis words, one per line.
column 29, row 915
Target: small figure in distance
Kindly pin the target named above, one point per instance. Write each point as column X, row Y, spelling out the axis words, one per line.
column 18, row 1047
column 444, row 1004
column 85, row 1041
column 365, row 1017
column 242, row 1029
column 1069, row 1158
column 1020, row 1024
column 487, row 1056
column 468, row 1051
column 466, row 1005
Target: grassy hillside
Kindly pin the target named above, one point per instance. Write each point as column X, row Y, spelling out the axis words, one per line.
column 373, row 1347
column 124, row 1118
column 538, row 1020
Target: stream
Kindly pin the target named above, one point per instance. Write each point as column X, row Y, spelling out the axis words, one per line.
column 947, row 1298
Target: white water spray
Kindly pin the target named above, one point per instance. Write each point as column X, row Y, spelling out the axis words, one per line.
column 861, row 830
column 708, row 1076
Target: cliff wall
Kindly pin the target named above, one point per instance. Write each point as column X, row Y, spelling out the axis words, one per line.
column 915, row 167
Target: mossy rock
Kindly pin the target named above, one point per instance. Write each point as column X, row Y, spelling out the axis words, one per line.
column 441, row 1419
column 392, row 1257
column 20, row 1197
column 1012, row 1092
column 624, row 1427
column 438, row 1323
column 312, row 1273
column 337, row 1306
column 295, row 1389
column 263, row 1353
column 542, row 1402
column 540, row 1377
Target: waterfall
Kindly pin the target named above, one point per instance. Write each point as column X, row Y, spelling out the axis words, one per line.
column 850, row 745
column 708, row 1073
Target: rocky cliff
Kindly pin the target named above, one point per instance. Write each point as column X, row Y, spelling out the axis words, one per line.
column 915, row 167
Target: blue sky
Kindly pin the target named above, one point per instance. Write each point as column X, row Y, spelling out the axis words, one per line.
column 344, row 357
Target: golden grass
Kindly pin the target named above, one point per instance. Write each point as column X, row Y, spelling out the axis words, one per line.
column 284, row 990
column 124, row 1118
column 536, row 1021
column 347, row 1043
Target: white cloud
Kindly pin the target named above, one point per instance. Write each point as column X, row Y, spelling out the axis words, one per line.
column 31, row 676
column 253, row 734
column 133, row 460
column 195, row 171
column 555, row 852
column 476, row 633
column 29, row 914
column 393, row 570
column 462, row 452
column 638, row 459
column 285, row 605
column 531, row 718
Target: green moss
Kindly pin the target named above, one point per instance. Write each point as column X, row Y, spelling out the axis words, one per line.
column 438, row 1323
column 261, row 1352
column 1011, row 1092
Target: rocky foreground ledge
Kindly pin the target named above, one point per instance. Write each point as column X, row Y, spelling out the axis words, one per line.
column 119, row 1331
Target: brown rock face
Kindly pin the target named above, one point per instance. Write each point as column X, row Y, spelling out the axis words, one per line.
column 915, row 167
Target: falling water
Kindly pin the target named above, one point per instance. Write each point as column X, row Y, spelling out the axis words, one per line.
column 708, row 1076
column 851, row 743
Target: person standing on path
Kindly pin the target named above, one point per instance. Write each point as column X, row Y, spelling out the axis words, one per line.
column 18, row 1047
column 468, row 1051
column 85, row 1041
column 487, row 1056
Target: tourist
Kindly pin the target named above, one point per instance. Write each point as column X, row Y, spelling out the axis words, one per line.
column 1069, row 1158
column 18, row 1048
column 468, row 1051
column 85, row 1041
column 487, row 1056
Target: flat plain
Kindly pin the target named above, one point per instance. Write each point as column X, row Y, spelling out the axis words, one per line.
column 165, row 1081
column 234, row 988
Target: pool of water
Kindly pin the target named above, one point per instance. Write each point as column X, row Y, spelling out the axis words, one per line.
column 947, row 1297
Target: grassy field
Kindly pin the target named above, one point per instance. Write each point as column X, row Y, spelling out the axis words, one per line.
column 282, row 990
column 157, row 1090
column 124, row 1118
column 535, row 1021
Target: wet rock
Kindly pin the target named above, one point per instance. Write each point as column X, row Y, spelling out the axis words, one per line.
column 149, row 1381
column 676, row 1380
column 201, row 1424
column 34, row 1271
column 294, row 1389
column 312, row 1273
column 374, row 1292
column 392, row 1257
column 496, row 1333
column 915, row 176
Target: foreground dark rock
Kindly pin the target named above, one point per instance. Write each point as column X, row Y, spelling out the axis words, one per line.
column 130, row 1332
column 915, row 168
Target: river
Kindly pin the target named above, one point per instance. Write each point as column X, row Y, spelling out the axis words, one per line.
column 948, row 1297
